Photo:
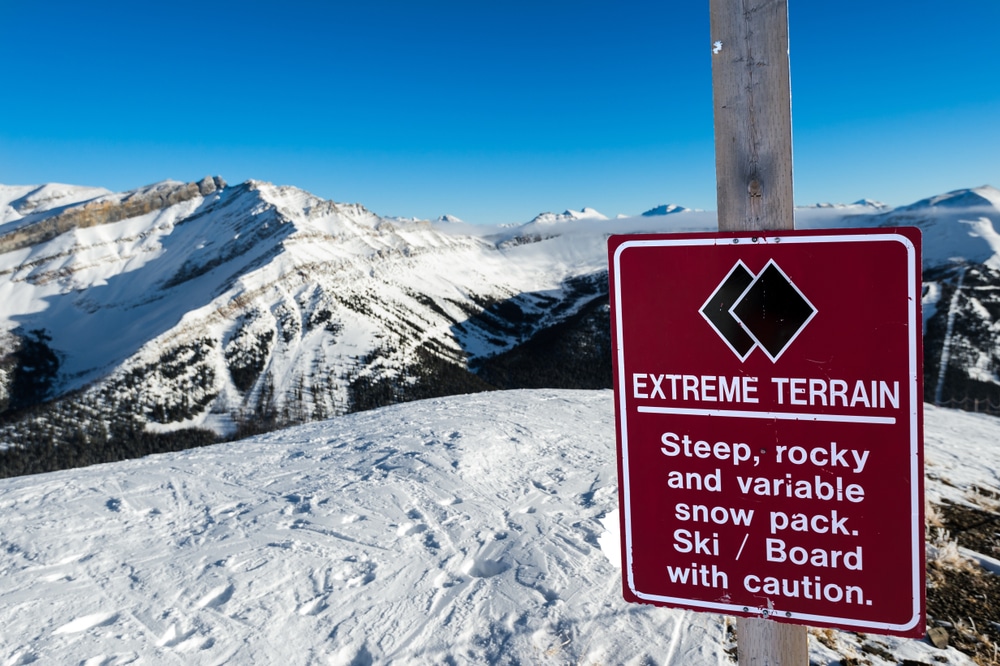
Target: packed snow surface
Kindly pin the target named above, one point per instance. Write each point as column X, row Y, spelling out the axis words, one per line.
column 476, row 529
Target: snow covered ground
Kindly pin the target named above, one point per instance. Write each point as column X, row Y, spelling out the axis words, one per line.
column 463, row 530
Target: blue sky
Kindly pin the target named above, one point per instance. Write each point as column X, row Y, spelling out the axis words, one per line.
column 491, row 111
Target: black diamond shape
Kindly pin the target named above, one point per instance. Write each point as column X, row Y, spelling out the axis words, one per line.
column 716, row 310
column 773, row 310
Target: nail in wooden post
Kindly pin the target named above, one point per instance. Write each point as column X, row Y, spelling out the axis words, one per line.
column 753, row 114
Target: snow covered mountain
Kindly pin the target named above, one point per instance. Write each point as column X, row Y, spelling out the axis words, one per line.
column 202, row 304
column 665, row 209
column 409, row 535
column 128, row 319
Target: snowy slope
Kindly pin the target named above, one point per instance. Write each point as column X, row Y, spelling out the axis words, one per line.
column 957, row 226
column 463, row 530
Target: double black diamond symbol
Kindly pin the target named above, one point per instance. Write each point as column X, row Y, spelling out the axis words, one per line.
column 765, row 310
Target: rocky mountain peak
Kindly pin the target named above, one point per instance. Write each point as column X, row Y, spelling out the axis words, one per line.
column 107, row 209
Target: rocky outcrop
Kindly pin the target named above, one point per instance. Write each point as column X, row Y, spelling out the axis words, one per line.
column 106, row 210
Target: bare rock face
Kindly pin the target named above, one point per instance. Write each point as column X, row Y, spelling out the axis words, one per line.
column 106, row 210
column 210, row 184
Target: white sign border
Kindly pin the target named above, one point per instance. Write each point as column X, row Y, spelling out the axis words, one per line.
column 915, row 409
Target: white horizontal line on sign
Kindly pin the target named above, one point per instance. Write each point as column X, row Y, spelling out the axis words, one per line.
column 781, row 416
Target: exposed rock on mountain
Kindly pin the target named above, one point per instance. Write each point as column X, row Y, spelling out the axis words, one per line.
column 107, row 209
column 230, row 309
column 180, row 312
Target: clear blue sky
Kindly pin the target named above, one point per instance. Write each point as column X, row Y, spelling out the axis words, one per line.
column 491, row 111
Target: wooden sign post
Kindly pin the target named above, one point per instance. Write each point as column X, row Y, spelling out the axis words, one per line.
column 753, row 162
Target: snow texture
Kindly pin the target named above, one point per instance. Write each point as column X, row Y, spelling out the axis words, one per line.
column 476, row 529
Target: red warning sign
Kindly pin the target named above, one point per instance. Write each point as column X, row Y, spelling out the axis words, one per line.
column 768, row 394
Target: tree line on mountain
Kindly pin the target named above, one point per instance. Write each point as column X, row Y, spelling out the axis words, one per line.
column 573, row 354
column 31, row 367
column 970, row 298
column 63, row 443
column 44, row 436
column 432, row 376
column 67, row 433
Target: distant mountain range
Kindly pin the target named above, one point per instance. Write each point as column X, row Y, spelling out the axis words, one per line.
column 179, row 312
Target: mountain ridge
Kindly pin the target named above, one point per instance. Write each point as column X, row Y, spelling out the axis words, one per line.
column 235, row 307
column 255, row 302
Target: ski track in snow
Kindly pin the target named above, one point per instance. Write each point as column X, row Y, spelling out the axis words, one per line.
column 464, row 530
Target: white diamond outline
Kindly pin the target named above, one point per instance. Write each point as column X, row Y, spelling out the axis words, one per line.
column 802, row 327
column 701, row 311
